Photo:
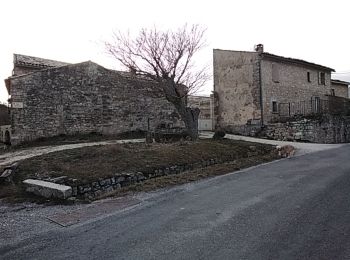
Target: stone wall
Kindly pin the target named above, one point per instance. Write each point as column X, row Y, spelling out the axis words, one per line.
column 324, row 129
column 236, row 86
column 102, row 186
column 292, row 85
column 340, row 90
column 84, row 98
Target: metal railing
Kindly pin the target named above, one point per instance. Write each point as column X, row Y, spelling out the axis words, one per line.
column 332, row 105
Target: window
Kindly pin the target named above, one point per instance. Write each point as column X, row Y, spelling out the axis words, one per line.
column 332, row 92
column 274, row 107
column 308, row 77
column 316, row 105
column 275, row 73
column 321, row 78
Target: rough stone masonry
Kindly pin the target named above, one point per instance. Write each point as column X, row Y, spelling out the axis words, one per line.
column 84, row 98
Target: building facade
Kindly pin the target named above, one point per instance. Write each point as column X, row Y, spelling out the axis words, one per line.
column 340, row 88
column 255, row 88
column 205, row 118
column 83, row 98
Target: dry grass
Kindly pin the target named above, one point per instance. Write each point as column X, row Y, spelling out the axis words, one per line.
column 91, row 163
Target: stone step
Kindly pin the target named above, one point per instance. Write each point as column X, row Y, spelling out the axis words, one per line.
column 48, row 189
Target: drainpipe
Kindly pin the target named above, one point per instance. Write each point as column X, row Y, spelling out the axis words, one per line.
column 261, row 95
column 259, row 48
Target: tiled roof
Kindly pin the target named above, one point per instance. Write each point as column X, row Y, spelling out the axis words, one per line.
column 29, row 61
column 270, row 56
column 336, row 81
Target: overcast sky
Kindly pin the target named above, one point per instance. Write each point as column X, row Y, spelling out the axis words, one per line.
column 72, row 30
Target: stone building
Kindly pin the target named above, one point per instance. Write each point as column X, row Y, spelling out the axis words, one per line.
column 255, row 88
column 23, row 64
column 49, row 98
column 204, row 103
column 5, row 126
column 340, row 88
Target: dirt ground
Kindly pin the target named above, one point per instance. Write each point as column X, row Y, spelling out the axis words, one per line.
column 91, row 163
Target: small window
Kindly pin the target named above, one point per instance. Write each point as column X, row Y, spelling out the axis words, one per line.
column 332, row 92
column 308, row 77
column 274, row 107
column 321, row 78
column 275, row 73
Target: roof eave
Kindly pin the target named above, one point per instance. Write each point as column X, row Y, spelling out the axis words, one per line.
column 295, row 61
column 341, row 82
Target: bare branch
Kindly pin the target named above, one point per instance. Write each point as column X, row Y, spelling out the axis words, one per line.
column 166, row 57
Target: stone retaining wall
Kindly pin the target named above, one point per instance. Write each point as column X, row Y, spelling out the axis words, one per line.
column 102, row 186
column 325, row 129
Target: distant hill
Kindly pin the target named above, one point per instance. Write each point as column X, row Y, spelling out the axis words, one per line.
column 4, row 115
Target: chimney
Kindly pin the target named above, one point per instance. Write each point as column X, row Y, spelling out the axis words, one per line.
column 259, row 48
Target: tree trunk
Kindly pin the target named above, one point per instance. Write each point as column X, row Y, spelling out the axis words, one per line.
column 188, row 115
column 191, row 121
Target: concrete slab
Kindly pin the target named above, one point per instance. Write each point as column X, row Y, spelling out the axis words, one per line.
column 48, row 189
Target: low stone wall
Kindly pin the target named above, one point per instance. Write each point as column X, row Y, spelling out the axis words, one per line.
column 325, row 129
column 103, row 186
column 100, row 187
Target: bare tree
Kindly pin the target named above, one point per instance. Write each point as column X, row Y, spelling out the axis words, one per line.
column 166, row 57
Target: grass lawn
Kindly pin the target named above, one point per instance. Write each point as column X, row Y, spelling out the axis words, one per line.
column 91, row 163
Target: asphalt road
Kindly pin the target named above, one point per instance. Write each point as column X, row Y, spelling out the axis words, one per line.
column 296, row 208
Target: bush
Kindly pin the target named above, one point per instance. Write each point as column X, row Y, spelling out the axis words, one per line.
column 219, row 134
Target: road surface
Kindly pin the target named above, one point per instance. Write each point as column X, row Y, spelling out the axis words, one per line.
column 296, row 208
